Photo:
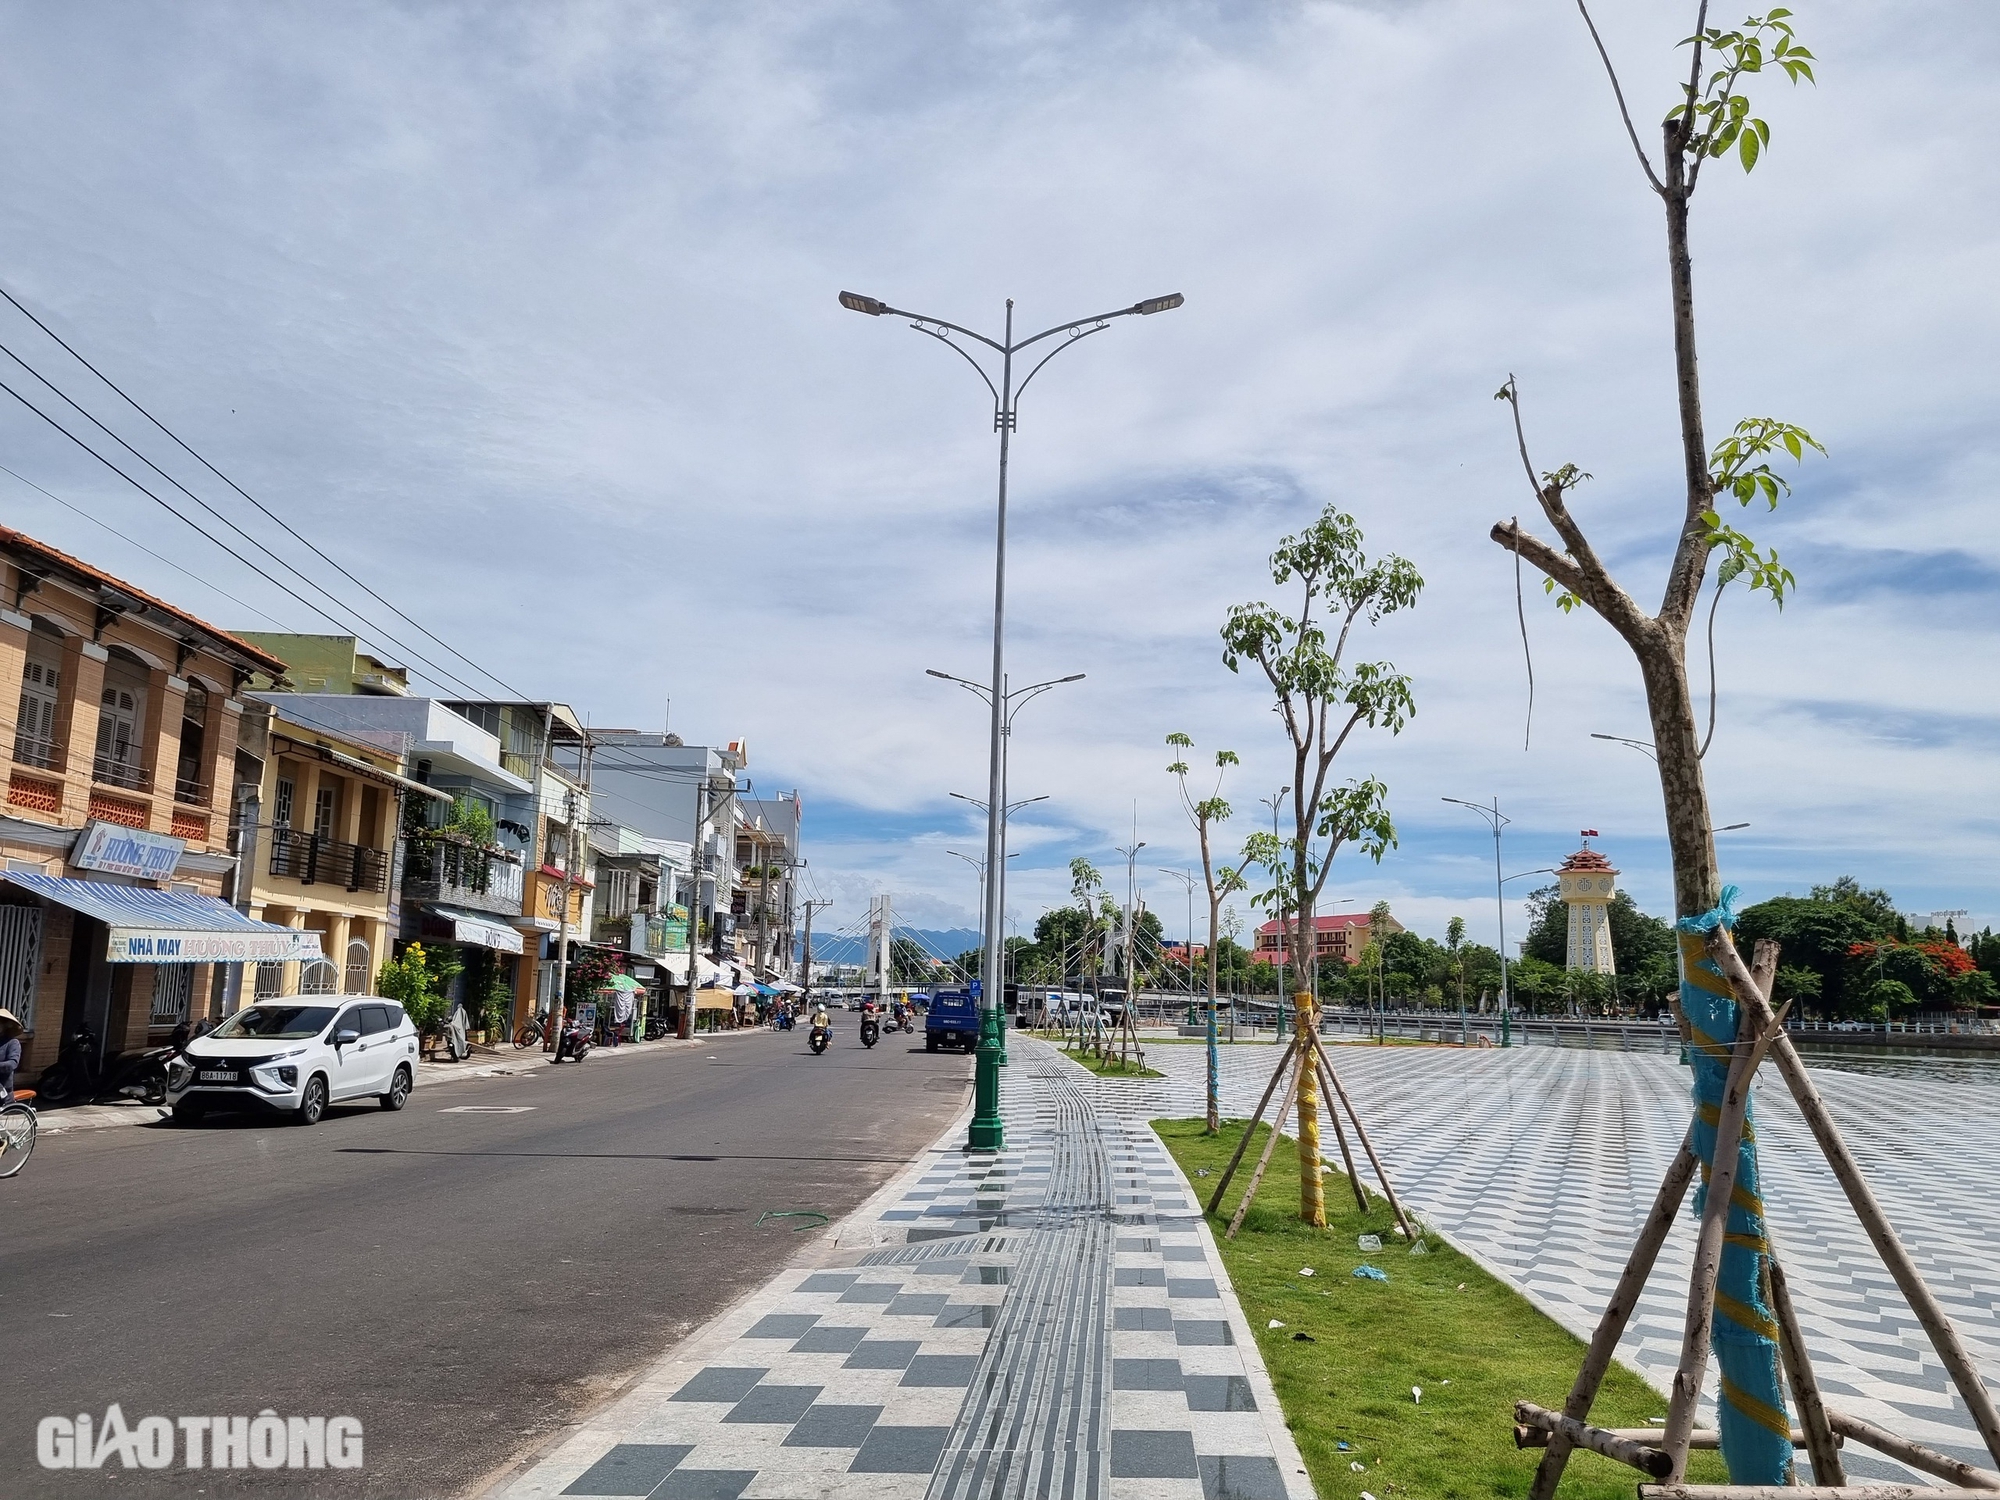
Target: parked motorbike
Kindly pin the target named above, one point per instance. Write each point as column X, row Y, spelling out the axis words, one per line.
column 818, row 1038
column 574, row 1042
column 75, row 1074
column 871, row 1031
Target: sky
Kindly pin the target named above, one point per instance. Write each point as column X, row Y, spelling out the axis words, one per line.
column 527, row 315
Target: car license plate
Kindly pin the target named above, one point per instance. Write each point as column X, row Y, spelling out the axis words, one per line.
column 211, row 1076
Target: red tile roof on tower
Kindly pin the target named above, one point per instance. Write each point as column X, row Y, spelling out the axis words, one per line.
column 1586, row 858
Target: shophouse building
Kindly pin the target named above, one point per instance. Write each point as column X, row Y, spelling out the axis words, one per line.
column 116, row 834
column 322, row 811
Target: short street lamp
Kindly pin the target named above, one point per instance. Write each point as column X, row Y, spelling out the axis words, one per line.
column 987, row 1133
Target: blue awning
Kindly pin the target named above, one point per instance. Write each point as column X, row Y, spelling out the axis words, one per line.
column 171, row 927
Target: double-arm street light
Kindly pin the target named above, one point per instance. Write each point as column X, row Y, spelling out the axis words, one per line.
column 1012, row 808
column 987, row 1132
column 1012, row 701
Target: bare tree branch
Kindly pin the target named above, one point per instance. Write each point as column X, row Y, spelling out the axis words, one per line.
column 1623, row 113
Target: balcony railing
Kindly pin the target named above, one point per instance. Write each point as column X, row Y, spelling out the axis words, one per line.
column 436, row 869
column 112, row 770
column 33, row 750
column 312, row 860
column 189, row 792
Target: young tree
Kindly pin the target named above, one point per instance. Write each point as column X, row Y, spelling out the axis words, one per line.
column 1712, row 118
column 1322, row 698
column 1220, row 884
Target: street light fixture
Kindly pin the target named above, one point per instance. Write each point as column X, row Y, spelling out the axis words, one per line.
column 1644, row 747
column 1131, row 854
column 987, row 1133
column 1498, row 821
column 1012, row 701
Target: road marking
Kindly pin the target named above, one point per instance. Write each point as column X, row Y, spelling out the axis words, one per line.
column 487, row 1109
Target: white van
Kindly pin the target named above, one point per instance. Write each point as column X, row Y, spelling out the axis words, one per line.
column 296, row 1056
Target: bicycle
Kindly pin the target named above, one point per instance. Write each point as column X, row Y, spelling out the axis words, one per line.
column 17, row 1132
column 532, row 1031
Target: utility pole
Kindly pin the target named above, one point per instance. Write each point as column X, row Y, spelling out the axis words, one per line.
column 694, row 905
column 552, row 1038
column 806, row 975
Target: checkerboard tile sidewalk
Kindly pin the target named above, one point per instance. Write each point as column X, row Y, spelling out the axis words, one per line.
column 1051, row 1320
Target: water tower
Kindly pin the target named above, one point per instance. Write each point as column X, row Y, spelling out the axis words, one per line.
column 1588, row 883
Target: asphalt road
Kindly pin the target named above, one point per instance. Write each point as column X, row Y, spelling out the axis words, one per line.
column 464, row 1283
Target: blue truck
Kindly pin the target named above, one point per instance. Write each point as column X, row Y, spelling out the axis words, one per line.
column 952, row 1021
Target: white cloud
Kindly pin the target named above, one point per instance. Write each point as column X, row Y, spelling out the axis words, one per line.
column 528, row 316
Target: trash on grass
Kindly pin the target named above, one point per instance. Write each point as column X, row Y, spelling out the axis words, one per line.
column 1305, row 1270
column 1359, row 1468
column 1368, row 1243
column 1371, row 1273
column 1344, row 1446
column 1366, row 1496
column 1420, row 1248
column 1274, row 1323
column 1304, row 1338
column 1417, row 1394
column 1398, row 1232
column 1461, row 1286
column 1201, row 1171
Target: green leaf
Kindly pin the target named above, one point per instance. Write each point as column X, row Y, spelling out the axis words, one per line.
column 1747, row 150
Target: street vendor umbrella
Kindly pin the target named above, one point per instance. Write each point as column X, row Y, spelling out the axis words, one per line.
column 744, row 989
column 621, row 982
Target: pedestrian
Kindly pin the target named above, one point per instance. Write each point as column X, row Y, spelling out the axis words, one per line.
column 10, row 1053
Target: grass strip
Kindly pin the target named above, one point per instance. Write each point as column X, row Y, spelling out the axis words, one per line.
column 1111, row 1067
column 1349, row 1350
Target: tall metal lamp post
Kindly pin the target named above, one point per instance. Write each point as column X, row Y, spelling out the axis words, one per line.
column 1497, row 820
column 987, row 1133
column 1274, row 801
column 1013, row 701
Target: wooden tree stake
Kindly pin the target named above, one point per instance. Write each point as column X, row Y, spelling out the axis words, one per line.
column 1388, row 1188
column 1264, row 1160
column 1617, row 1313
column 1250, row 1128
column 1821, row 1446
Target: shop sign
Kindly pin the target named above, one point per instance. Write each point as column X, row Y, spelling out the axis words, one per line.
column 668, row 932
column 118, row 850
column 167, row 945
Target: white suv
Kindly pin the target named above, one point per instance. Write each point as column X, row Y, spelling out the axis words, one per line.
column 296, row 1056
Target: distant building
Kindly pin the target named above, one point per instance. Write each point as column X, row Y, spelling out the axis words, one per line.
column 326, row 664
column 1588, row 883
column 1342, row 937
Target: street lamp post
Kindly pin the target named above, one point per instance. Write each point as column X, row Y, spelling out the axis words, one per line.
column 1131, row 854
column 1498, row 821
column 1013, row 701
column 1186, row 878
column 1284, row 934
column 987, row 1133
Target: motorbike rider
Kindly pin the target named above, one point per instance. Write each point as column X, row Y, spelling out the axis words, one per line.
column 820, row 1017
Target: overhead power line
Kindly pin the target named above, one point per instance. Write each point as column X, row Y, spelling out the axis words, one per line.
column 265, row 510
